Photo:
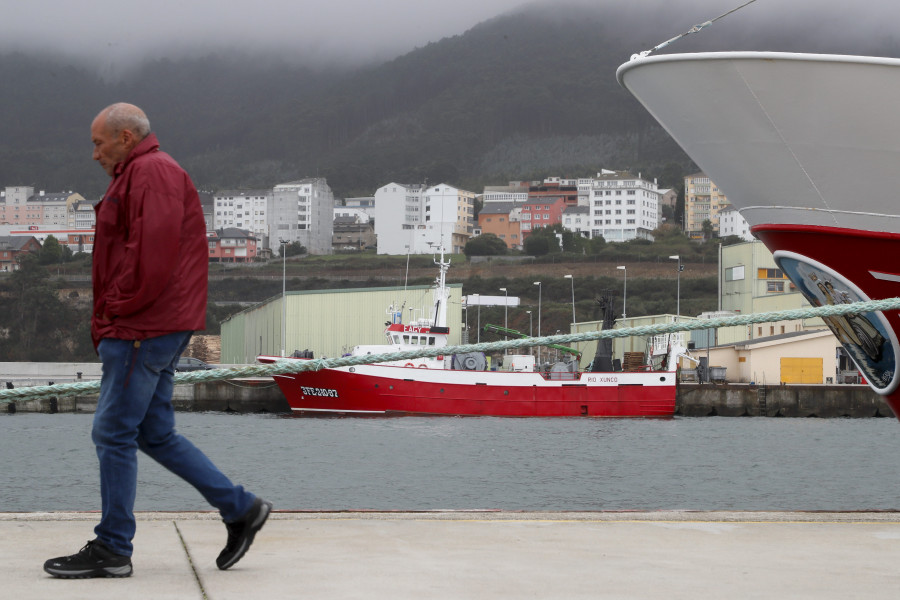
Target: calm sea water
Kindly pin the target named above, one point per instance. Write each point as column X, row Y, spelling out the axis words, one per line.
column 481, row 463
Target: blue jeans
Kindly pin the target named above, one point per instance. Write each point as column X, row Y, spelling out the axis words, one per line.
column 135, row 411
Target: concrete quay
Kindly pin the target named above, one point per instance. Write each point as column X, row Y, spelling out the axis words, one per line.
column 261, row 394
column 487, row 555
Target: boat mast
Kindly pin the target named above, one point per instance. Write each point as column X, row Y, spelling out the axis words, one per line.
column 441, row 293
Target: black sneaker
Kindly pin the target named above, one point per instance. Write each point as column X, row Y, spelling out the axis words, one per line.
column 94, row 560
column 241, row 533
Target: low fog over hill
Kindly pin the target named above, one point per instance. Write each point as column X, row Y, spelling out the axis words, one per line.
column 529, row 93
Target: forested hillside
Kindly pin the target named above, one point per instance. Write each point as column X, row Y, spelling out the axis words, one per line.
column 524, row 95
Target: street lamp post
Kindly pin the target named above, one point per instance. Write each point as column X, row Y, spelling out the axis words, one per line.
column 678, row 289
column 478, row 326
column 505, row 308
column 406, row 282
column 538, row 283
column 530, row 329
column 283, row 294
column 624, row 289
column 572, row 279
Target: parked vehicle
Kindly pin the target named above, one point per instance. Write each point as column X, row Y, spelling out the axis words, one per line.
column 188, row 363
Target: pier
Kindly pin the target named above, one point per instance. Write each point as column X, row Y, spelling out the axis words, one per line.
column 262, row 395
column 664, row 554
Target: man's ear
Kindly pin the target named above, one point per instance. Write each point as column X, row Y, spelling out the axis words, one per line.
column 128, row 138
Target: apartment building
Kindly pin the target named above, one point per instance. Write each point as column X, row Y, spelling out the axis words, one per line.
column 578, row 220
column 702, row 202
column 231, row 245
column 502, row 219
column 623, row 207
column 417, row 219
column 399, row 218
column 243, row 209
column 302, row 211
column 732, row 223
column 20, row 205
column 82, row 216
column 541, row 211
column 516, row 193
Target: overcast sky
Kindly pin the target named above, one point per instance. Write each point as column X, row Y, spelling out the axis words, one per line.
column 361, row 30
column 325, row 29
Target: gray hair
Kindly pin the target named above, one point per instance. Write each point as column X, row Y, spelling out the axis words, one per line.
column 123, row 116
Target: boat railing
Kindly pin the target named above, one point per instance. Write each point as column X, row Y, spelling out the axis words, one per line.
column 660, row 344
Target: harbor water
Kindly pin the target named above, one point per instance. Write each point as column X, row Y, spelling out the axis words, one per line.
column 413, row 464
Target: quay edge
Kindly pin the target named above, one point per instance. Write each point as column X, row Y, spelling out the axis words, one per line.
column 262, row 395
column 780, row 400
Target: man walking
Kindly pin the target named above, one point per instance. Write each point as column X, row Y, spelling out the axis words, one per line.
column 149, row 278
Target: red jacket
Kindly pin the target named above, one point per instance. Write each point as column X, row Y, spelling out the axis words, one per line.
column 150, row 257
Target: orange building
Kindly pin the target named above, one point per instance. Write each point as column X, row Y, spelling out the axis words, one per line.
column 500, row 218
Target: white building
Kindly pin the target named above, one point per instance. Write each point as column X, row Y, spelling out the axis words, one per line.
column 399, row 217
column 732, row 223
column 356, row 215
column 83, row 215
column 415, row 219
column 517, row 194
column 54, row 208
column 363, row 203
column 242, row 209
column 623, row 207
column 577, row 219
column 302, row 211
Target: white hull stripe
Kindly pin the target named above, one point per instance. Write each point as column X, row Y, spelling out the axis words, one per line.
column 371, row 412
column 885, row 276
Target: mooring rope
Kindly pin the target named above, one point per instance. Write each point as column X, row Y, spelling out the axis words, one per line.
column 693, row 29
column 288, row 366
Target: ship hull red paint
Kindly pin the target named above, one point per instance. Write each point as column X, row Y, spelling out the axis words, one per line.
column 865, row 260
column 393, row 390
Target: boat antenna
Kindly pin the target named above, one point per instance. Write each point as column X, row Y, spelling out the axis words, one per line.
column 693, row 29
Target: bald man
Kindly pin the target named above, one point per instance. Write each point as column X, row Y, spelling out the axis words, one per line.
column 149, row 278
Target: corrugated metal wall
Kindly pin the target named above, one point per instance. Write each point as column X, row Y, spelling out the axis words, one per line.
column 328, row 322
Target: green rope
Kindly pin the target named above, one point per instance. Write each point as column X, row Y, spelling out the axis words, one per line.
column 288, row 366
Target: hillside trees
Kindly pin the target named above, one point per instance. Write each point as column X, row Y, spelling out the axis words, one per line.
column 487, row 244
column 36, row 324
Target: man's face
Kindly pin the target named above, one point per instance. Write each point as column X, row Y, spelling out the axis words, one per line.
column 110, row 148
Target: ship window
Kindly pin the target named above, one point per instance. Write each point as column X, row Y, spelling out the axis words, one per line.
column 405, row 339
column 431, row 341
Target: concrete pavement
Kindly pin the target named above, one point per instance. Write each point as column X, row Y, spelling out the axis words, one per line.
column 436, row 555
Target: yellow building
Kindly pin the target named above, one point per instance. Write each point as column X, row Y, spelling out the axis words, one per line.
column 702, row 202
column 809, row 357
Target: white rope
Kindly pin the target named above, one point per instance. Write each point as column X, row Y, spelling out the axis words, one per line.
column 287, row 366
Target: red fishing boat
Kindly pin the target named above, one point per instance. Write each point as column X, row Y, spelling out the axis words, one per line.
column 461, row 384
